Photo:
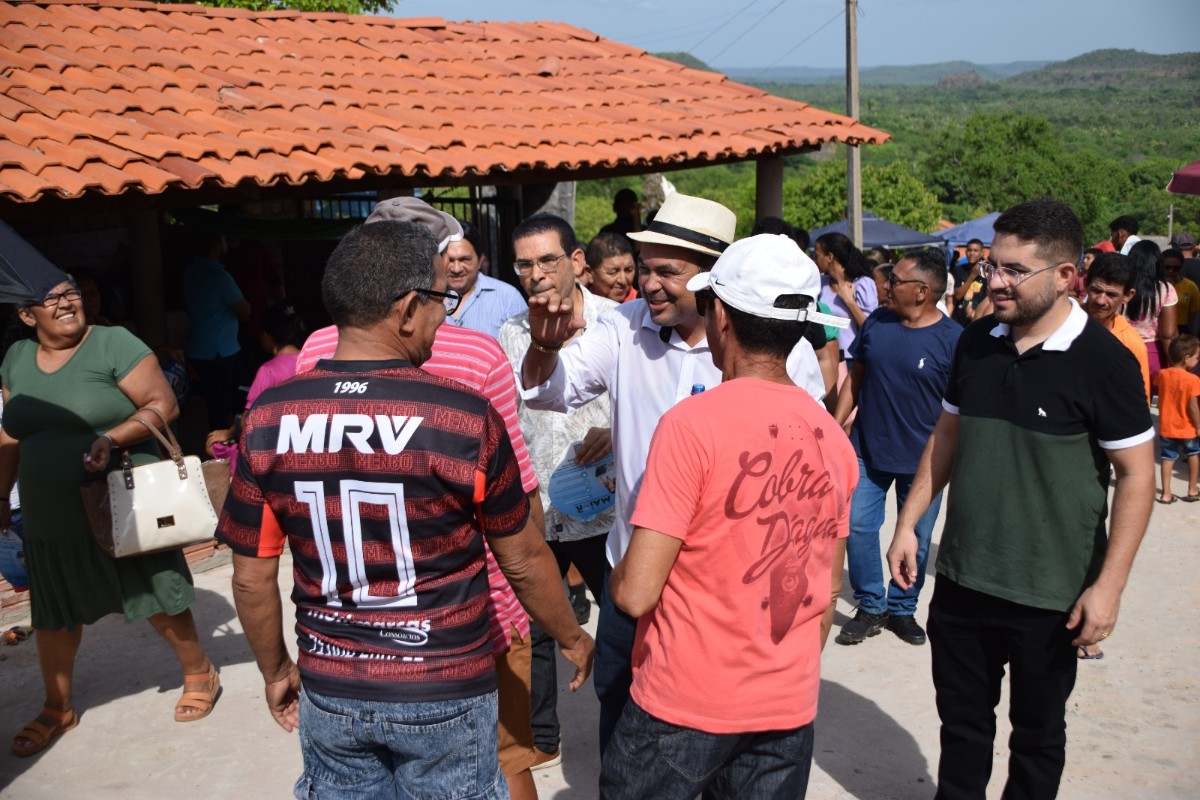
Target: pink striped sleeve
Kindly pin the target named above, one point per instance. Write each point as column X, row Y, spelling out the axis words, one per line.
column 320, row 344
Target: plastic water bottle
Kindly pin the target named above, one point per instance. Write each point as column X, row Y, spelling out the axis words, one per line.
column 697, row 388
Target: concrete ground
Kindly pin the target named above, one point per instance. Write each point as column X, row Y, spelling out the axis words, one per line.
column 1134, row 719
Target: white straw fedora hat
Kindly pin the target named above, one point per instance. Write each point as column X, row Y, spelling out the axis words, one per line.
column 691, row 222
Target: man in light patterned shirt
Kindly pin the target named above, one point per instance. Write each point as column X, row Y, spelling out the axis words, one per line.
column 548, row 256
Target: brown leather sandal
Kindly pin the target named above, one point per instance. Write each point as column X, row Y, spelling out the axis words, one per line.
column 200, row 692
column 38, row 734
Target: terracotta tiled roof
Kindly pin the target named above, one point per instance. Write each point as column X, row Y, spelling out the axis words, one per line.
column 124, row 96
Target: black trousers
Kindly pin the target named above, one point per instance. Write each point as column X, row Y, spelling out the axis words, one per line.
column 589, row 558
column 972, row 637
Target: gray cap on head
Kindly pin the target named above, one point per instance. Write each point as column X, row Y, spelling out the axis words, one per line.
column 444, row 227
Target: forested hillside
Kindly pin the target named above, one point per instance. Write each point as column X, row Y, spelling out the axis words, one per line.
column 1103, row 131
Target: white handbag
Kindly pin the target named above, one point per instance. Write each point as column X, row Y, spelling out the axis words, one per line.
column 164, row 505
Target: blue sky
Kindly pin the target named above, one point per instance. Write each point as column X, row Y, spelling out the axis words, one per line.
column 760, row 33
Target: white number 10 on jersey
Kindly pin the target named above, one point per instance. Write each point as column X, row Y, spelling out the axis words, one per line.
column 355, row 494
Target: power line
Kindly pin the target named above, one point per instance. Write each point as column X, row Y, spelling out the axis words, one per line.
column 667, row 33
column 799, row 43
column 747, row 31
column 730, row 18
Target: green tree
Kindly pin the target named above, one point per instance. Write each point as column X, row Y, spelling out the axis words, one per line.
column 989, row 161
column 336, row 6
column 891, row 192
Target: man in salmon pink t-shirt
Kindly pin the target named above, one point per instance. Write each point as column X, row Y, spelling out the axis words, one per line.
column 729, row 566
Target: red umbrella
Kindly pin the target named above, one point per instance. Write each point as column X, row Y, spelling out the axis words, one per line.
column 1186, row 180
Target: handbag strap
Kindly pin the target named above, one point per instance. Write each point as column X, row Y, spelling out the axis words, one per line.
column 169, row 443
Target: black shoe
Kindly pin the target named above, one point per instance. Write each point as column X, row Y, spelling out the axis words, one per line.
column 580, row 604
column 906, row 628
column 863, row 626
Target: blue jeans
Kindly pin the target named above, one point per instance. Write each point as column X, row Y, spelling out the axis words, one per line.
column 866, row 568
column 652, row 758
column 371, row 749
column 612, row 671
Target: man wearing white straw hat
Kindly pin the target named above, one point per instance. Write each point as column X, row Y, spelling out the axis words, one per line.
column 648, row 354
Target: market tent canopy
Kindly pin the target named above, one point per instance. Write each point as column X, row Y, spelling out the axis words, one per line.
column 881, row 233
column 1186, row 180
column 979, row 228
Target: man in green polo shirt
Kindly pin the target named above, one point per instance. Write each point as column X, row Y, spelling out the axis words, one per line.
column 1042, row 403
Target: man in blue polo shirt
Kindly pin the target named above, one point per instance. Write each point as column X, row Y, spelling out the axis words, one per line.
column 486, row 302
column 902, row 360
column 1042, row 408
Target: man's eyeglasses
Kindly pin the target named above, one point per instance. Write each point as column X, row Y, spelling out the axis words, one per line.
column 51, row 300
column 547, row 264
column 894, row 281
column 1010, row 277
column 704, row 298
column 451, row 299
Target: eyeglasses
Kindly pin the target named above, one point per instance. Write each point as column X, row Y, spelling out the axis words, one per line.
column 894, row 281
column 1010, row 277
column 51, row 300
column 451, row 299
column 547, row 264
column 704, row 298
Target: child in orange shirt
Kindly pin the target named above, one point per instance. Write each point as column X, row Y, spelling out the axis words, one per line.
column 1179, row 415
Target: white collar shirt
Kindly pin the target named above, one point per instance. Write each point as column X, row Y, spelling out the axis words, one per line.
column 625, row 354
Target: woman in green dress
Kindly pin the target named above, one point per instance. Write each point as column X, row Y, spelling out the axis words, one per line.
column 71, row 398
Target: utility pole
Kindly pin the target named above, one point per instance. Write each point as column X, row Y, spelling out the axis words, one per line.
column 853, row 164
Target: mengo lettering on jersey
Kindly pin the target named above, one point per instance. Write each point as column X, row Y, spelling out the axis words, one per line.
column 328, row 433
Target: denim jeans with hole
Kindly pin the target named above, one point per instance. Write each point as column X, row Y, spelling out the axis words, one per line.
column 648, row 757
column 442, row 750
column 874, row 592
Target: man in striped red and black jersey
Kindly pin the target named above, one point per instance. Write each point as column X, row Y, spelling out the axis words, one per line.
column 382, row 478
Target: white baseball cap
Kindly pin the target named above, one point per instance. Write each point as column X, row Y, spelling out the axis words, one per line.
column 752, row 274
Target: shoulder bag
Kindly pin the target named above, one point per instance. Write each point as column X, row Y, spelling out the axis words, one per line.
column 164, row 505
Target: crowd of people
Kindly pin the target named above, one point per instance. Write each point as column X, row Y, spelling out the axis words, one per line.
column 441, row 456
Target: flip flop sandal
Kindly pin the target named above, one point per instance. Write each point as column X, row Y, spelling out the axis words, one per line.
column 1165, row 502
column 39, row 735
column 200, row 692
column 1083, row 655
column 1191, row 498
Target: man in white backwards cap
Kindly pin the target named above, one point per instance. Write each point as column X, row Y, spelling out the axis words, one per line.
column 736, row 529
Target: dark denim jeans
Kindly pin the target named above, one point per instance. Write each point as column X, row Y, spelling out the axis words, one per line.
column 972, row 636
column 612, row 671
column 370, row 749
column 874, row 591
column 590, row 559
column 651, row 758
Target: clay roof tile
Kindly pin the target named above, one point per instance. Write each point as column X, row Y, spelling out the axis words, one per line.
column 111, row 96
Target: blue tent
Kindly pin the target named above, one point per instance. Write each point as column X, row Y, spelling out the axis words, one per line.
column 980, row 228
column 880, row 233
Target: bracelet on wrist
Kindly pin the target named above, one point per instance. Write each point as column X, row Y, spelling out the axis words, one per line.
column 541, row 348
column 112, row 443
